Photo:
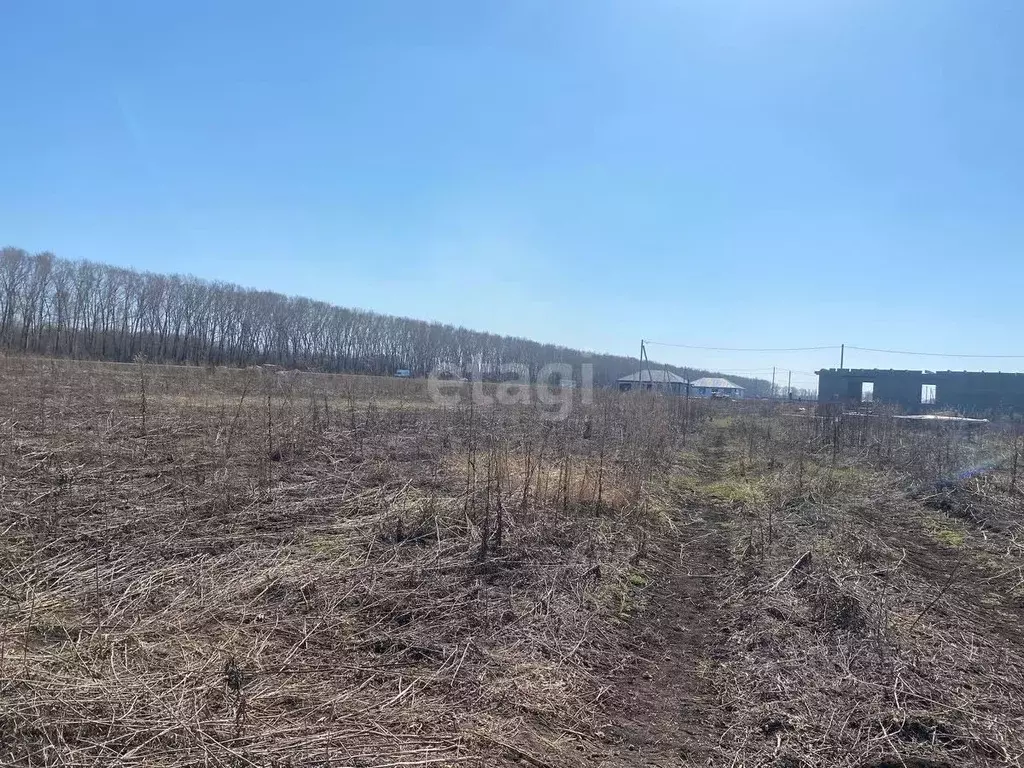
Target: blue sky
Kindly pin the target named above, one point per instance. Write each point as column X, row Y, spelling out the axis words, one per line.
column 589, row 172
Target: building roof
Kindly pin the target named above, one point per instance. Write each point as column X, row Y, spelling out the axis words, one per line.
column 878, row 372
column 655, row 375
column 712, row 382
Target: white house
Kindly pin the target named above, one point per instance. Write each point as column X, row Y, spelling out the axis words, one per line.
column 657, row 380
column 711, row 386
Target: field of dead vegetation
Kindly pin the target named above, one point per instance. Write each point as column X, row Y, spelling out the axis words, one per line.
column 212, row 567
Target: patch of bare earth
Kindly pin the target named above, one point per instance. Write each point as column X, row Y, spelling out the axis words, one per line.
column 665, row 712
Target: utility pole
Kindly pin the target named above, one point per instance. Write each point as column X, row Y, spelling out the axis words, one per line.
column 773, row 382
column 789, row 387
column 686, row 405
column 842, row 355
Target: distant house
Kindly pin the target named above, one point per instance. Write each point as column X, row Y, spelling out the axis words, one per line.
column 711, row 386
column 403, row 373
column 659, row 381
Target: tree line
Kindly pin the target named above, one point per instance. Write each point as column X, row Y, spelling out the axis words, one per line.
column 86, row 310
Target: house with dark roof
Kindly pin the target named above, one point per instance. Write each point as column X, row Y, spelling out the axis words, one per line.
column 712, row 386
column 654, row 380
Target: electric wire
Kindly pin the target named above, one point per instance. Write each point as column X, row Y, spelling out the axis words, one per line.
column 832, row 348
column 739, row 349
column 934, row 354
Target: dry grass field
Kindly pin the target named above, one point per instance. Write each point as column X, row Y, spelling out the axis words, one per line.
column 213, row 567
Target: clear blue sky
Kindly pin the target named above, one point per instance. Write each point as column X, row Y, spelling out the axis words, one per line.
column 587, row 172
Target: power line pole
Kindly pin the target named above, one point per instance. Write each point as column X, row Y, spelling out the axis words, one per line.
column 686, row 405
column 842, row 355
column 789, row 387
column 773, row 382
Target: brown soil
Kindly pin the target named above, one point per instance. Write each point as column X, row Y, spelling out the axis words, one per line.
column 667, row 712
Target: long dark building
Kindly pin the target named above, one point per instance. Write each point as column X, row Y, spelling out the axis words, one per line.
column 915, row 391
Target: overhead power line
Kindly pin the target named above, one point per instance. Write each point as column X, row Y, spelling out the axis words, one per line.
column 741, row 349
column 782, row 368
column 935, row 354
column 835, row 347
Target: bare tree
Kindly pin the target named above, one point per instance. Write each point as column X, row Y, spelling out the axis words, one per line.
column 83, row 309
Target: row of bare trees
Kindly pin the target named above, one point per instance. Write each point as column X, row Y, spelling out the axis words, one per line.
column 86, row 310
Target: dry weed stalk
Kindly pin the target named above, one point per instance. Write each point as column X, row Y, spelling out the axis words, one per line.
column 268, row 585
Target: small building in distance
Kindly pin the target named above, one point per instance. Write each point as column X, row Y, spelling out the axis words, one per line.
column 711, row 386
column 920, row 391
column 654, row 380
